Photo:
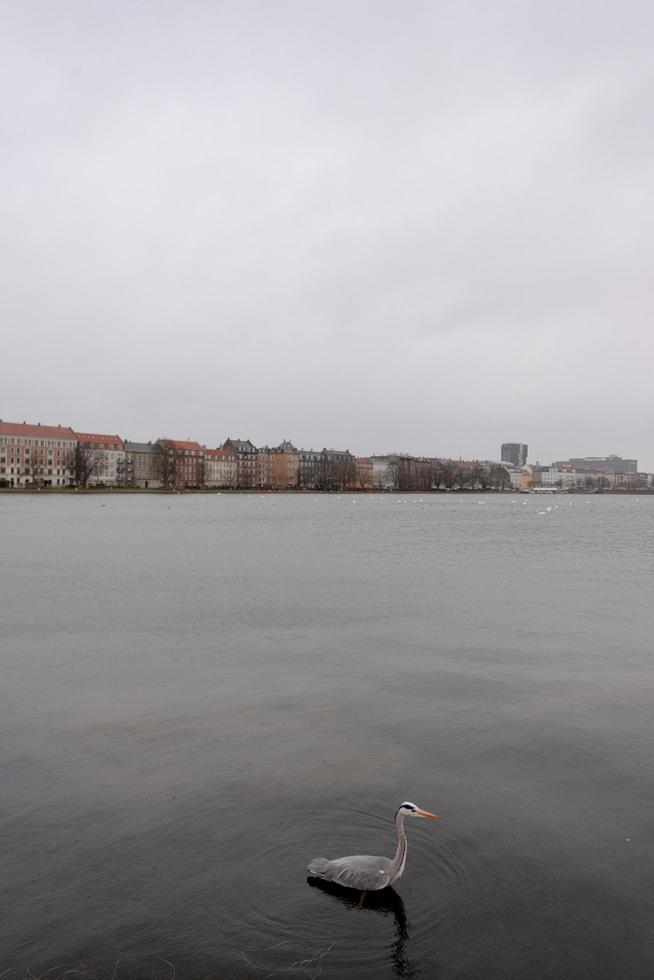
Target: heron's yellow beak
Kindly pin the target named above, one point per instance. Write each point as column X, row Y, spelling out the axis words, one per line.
column 426, row 813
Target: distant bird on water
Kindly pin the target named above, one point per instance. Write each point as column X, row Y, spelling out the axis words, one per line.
column 365, row 872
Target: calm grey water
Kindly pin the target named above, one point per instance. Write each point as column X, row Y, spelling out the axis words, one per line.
column 201, row 693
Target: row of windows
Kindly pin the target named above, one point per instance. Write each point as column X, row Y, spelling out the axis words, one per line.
column 15, row 441
column 16, row 470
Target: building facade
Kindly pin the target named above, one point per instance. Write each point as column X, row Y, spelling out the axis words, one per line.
column 247, row 466
column 365, row 473
column 220, row 469
column 329, row 469
column 514, row 453
column 600, row 464
column 36, row 455
column 109, row 460
column 182, row 464
column 386, row 471
column 552, row 476
column 311, row 469
column 278, row 468
column 143, row 463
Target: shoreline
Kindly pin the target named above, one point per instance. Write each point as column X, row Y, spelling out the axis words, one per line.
column 131, row 491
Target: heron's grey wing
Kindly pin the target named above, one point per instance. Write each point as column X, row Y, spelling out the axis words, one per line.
column 361, row 871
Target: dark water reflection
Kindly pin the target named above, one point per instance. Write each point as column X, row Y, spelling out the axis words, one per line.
column 387, row 903
column 199, row 694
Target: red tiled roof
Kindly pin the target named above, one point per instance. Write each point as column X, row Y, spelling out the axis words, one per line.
column 217, row 452
column 181, row 444
column 25, row 430
column 98, row 437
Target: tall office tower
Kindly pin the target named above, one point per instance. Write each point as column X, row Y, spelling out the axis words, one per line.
column 514, row 452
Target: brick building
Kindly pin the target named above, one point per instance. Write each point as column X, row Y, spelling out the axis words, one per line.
column 182, row 463
column 278, row 468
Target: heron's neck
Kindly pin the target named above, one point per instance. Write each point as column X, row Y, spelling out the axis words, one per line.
column 400, row 852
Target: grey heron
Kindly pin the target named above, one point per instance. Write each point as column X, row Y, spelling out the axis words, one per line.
column 364, row 872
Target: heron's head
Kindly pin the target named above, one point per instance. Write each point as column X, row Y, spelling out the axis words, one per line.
column 411, row 810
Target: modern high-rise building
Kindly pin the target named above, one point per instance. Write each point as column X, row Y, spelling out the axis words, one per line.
column 515, row 453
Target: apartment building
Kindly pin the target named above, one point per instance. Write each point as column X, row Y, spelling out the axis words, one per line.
column 365, row 473
column 144, row 465
column 220, row 468
column 246, row 461
column 182, row 463
column 109, row 460
column 36, row 455
column 278, row 468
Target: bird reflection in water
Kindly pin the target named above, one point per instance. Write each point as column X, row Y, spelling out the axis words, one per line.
column 385, row 902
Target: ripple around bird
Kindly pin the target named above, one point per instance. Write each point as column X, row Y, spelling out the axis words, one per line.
column 288, row 918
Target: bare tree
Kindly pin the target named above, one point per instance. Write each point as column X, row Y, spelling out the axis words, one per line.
column 449, row 475
column 344, row 474
column 436, row 474
column 474, row 476
column 33, row 465
column 499, row 478
column 484, row 477
column 395, row 475
column 84, row 463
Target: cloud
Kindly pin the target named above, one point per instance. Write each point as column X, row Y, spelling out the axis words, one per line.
column 378, row 226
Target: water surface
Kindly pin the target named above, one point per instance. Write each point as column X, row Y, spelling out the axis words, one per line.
column 201, row 693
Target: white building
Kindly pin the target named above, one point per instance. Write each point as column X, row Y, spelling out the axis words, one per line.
column 553, row 477
column 110, row 460
column 220, row 468
column 385, row 472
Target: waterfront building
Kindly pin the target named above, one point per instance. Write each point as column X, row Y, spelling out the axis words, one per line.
column 340, row 469
column 278, row 467
column 264, row 478
column 311, row 469
column 36, row 455
column 600, row 464
column 365, row 473
column 182, row 464
column 220, row 468
column 415, row 473
column 109, row 460
column 522, row 478
column 631, row 481
column 245, row 453
column 329, row 469
column 514, row 453
column 282, row 466
column 144, row 465
column 397, row 471
column 385, row 471
column 552, row 476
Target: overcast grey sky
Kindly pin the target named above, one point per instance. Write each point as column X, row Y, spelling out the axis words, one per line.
column 368, row 225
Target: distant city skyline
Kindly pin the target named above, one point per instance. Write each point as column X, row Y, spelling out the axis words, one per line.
column 36, row 456
column 510, row 452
